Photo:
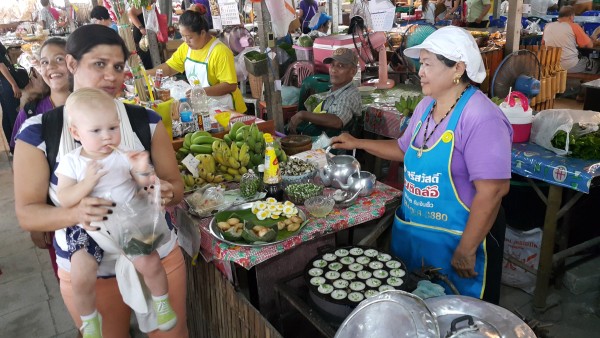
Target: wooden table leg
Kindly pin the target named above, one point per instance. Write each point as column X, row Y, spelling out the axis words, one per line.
column 547, row 249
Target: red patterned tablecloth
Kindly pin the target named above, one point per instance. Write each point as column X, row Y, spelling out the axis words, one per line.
column 366, row 209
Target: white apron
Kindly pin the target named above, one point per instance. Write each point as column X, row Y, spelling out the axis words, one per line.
column 196, row 70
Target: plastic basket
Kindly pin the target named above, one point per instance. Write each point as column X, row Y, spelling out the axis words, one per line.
column 256, row 84
column 304, row 53
column 256, row 68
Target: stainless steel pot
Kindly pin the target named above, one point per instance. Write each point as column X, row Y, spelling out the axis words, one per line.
column 401, row 314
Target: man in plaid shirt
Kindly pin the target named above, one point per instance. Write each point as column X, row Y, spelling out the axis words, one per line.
column 341, row 103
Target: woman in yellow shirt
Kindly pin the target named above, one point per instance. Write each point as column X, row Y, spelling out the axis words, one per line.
column 204, row 58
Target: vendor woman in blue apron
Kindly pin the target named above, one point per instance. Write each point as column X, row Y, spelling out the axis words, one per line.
column 206, row 59
column 457, row 165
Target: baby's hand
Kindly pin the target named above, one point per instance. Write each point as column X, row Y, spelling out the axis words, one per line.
column 139, row 160
column 94, row 172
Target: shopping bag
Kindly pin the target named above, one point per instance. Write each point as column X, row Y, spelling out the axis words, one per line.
column 162, row 34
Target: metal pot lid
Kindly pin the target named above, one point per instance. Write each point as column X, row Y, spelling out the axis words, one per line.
column 390, row 314
column 475, row 318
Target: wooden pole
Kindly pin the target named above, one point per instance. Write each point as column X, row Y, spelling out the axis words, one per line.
column 272, row 93
column 166, row 7
column 513, row 26
column 334, row 11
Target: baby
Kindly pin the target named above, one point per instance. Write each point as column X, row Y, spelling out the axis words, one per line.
column 98, row 168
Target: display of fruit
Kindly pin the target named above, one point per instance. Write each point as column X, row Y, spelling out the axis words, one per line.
column 199, row 142
column 407, row 105
column 232, row 160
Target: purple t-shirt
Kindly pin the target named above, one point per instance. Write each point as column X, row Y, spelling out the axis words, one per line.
column 482, row 147
column 43, row 106
column 308, row 10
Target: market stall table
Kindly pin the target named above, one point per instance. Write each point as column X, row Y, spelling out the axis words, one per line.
column 262, row 267
column 534, row 162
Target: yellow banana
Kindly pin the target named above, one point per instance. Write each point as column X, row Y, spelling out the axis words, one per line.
column 223, row 168
column 235, row 153
column 227, row 177
column 218, row 179
column 243, row 170
column 210, row 177
column 243, row 151
column 244, row 160
column 237, row 178
column 233, row 163
column 232, row 171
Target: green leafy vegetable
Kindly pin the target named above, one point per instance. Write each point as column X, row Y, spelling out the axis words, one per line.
column 586, row 146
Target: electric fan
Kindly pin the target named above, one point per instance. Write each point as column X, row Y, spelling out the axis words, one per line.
column 521, row 71
column 367, row 45
column 237, row 39
column 411, row 36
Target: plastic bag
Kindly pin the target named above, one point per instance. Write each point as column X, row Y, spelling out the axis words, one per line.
column 207, row 203
column 138, row 226
column 525, row 246
column 322, row 142
column 547, row 122
column 152, row 20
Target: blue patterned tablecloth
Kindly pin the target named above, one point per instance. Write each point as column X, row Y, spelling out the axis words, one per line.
column 531, row 160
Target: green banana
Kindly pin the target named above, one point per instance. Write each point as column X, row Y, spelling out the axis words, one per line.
column 235, row 128
column 227, row 139
column 228, row 177
column 187, row 140
column 201, row 148
column 202, row 139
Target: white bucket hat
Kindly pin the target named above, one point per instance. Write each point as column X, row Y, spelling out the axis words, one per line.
column 455, row 44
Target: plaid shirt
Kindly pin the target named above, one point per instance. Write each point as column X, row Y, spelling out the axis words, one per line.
column 343, row 103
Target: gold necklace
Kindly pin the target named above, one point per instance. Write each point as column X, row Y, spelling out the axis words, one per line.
column 425, row 137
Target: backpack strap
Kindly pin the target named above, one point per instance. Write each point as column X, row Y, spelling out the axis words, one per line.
column 138, row 117
column 52, row 125
column 30, row 108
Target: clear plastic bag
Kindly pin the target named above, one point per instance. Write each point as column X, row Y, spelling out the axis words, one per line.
column 204, row 204
column 548, row 122
column 138, row 226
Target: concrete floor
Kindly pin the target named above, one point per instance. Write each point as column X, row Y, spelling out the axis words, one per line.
column 32, row 306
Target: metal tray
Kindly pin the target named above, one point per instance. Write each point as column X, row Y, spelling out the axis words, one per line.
column 213, row 229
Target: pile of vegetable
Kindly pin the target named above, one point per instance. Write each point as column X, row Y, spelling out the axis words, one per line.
column 298, row 193
column 586, row 146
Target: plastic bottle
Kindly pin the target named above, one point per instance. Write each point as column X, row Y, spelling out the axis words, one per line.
column 200, row 106
column 357, row 79
column 185, row 111
column 272, row 175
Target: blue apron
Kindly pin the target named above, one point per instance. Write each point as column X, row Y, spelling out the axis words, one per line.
column 429, row 223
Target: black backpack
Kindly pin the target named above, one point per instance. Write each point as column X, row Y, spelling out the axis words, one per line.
column 52, row 126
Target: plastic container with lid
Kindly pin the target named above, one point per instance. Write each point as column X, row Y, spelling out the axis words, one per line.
column 519, row 114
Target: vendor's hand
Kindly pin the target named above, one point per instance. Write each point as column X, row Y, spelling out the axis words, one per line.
column 344, row 141
column 464, row 263
column 295, row 121
column 41, row 239
column 93, row 209
column 17, row 92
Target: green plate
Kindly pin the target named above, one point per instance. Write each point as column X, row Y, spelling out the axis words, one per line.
column 244, row 211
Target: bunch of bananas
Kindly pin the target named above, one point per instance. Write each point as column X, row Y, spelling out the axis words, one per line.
column 207, row 169
column 407, row 105
column 191, row 183
column 232, row 160
column 196, row 143
column 241, row 134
